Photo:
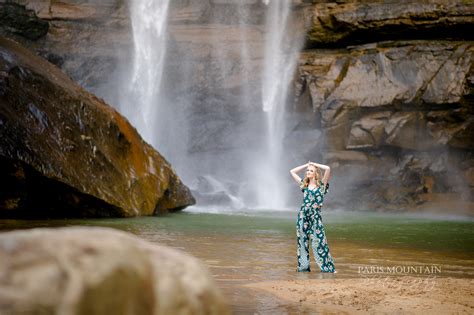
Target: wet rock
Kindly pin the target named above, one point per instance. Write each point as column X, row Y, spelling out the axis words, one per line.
column 447, row 127
column 15, row 19
column 414, row 177
column 368, row 132
column 79, row 270
column 64, row 152
column 411, row 130
column 382, row 94
column 219, row 198
column 390, row 103
column 89, row 41
column 407, row 130
column 212, row 192
column 404, row 75
column 356, row 22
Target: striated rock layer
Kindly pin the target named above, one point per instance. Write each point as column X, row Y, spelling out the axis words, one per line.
column 396, row 112
column 79, row 270
column 64, row 152
column 335, row 23
column 397, row 118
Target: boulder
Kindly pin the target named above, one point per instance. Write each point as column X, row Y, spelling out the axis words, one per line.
column 65, row 152
column 210, row 191
column 91, row 270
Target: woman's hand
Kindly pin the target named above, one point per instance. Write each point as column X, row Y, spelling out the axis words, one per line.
column 321, row 166
column 298, row 169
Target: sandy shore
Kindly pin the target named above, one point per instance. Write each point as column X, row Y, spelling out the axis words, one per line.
column 381, row 294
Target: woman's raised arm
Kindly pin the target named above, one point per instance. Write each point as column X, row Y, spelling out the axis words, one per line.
column 327, row 172
column 297, row 169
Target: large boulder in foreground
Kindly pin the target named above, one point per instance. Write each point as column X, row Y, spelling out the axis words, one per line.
column 64, row 152
column 91, row 271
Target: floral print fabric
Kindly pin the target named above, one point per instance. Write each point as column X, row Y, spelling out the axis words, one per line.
column 309, row 222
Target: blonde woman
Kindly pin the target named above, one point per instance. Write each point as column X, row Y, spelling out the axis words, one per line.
column 309, row 222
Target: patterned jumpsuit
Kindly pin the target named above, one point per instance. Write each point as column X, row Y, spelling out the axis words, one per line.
column 309, row 222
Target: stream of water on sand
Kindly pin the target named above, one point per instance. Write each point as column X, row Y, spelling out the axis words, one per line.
column 249, row 247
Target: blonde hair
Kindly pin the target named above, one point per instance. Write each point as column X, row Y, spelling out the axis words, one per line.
column 306, row 179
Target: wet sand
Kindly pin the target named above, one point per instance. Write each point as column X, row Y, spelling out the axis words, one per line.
column 263, row 284
column 376, row 295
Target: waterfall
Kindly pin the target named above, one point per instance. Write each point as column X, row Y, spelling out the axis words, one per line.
column 213, row 99
column 280, row 58
column 143, row 99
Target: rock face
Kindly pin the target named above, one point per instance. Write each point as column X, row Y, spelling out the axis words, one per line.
column 16, row 20
column 389, row 85
column 397, row 114
column 100, row 271
column 378, row 94
column 338, row 24
column 87, row 40
column 64, row 152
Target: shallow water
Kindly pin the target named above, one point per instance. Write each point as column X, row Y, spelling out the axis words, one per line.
column 246, row 247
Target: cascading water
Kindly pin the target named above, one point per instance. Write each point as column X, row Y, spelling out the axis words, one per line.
column 142, row 106
column 144, row 99
column 214, row 105
column 280, row 59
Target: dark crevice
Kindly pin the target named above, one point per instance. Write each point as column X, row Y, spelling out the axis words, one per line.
column 25, row 193
column 457, row 32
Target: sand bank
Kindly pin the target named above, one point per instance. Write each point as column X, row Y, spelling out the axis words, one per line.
column 381, row 294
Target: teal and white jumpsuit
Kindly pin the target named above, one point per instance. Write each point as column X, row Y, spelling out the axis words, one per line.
column 309, row 222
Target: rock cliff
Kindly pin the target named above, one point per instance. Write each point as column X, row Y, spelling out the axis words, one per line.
column 396, row 117
column 393, row 95
column 389, row 84
column 341, row 23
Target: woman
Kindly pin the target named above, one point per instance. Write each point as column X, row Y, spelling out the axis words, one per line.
column 309, row 220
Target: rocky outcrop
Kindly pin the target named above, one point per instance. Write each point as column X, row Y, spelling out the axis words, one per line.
column 376, row 93
column 100, row 271
column 64, row 152
column 397, row 115
column 88, row 41
column 339, row 24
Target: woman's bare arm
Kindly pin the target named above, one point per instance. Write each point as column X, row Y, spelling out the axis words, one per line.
column 297, row 169
column 327, row 172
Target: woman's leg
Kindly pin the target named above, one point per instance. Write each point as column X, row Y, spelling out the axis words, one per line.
column 320, row 247
column 302, row 244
